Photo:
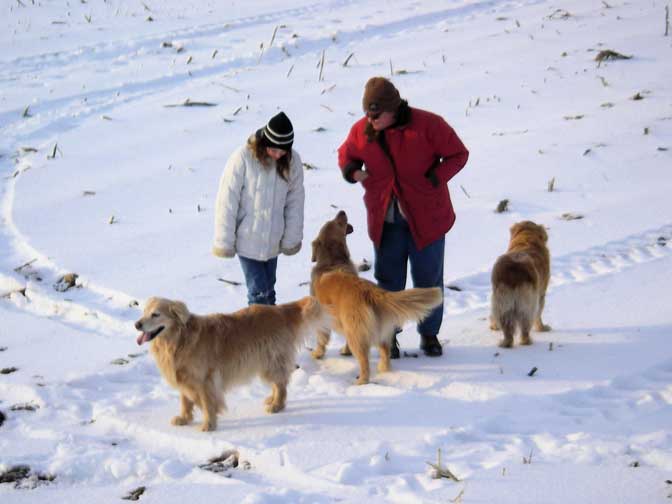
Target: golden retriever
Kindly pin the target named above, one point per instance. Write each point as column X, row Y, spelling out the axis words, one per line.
column 362, row 312
column 203, row 356
column 330, row 253
column 519, row 282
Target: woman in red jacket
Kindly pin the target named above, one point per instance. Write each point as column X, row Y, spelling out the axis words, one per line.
column 404, row 157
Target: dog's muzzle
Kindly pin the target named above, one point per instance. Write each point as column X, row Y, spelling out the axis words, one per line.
column 148, row 336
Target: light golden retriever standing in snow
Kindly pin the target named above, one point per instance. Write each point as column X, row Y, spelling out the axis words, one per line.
column 204, row 356
column 519, row 282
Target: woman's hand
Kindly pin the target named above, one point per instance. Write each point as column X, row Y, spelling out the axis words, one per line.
column 359, row 175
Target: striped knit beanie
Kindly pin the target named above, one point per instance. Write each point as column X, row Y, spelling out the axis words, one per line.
column 278, row 132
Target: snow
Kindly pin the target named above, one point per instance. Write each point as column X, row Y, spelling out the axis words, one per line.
column 91, row 82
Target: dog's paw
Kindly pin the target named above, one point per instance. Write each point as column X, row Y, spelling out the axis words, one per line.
column 542, row 328
column 505, row 343
column 274, row 407
column 525, row 341
column 208, row 427
column 178, row 420
column 383, row 367
column 345, row 351
column 268, row 400
column 318, row 353
column 362, row 381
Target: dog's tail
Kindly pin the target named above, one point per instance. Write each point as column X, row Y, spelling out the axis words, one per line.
column 411, row 304
column 514, row 306
column 315, row 317
column 515, row 298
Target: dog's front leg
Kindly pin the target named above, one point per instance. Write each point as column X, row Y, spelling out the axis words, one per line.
column 208, row 404
column 186, row 411
column 322, row 342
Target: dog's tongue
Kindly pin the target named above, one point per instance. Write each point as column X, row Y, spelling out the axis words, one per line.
column 143, row 338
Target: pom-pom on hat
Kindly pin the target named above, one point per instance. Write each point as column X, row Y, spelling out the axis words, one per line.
column 278, row 132
column 380, row 95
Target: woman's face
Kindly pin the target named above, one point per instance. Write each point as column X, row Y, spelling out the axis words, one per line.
column 274, row 153
column 381, row 120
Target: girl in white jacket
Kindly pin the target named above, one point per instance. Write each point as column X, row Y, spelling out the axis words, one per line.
column 259, row 208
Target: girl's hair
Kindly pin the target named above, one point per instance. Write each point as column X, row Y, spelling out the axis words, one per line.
column 257, row 144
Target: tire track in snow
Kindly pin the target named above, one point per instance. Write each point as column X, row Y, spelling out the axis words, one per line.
column 109, row 51
column 103, row 100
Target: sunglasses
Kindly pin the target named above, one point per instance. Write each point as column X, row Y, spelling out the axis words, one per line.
column 374, row 111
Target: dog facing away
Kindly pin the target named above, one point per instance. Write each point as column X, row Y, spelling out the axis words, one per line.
column 367, row 315
column 330, row 253
column 362, row 312
column 519, row 282
column 203, row 356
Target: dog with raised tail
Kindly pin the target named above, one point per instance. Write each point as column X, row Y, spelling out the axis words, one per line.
column 330, row 253
column 519, row 281
column 204, row 356
column 362, row 312
column 366, row 315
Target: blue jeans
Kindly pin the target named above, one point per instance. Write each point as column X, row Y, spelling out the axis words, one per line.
column 392, row 256
column 260, row 280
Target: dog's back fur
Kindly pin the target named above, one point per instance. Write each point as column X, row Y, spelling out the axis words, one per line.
column 366, row 315
column 519, row 282
column 203, row 356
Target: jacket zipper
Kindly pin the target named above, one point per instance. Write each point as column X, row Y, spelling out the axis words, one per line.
column 386, row 149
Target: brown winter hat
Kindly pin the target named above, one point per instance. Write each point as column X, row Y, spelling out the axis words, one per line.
column 380, row 95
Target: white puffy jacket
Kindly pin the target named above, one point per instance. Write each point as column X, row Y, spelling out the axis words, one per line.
column 257, row 213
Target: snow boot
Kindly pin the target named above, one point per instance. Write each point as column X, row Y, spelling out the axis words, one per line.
column 430, row 345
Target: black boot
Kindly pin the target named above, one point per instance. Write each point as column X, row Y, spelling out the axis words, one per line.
column 430, row 345
column 394, row 347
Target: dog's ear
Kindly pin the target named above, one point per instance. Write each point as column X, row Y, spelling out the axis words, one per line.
column 315, row 244
column 179, row 310
column 348, row 229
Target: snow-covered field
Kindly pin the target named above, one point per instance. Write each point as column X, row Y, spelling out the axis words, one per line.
column 100, row 177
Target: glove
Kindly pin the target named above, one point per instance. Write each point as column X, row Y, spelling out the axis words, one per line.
column 431, row 176
column 222, row 252
column 291, row 251
column 350, row 168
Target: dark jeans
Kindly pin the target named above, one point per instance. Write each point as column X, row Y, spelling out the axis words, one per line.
column 392, row 256
column 260, row 280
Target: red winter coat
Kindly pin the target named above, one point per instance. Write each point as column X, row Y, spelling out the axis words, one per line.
column 414, row 146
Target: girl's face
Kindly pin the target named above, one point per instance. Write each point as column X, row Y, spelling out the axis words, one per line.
column 274, row 153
